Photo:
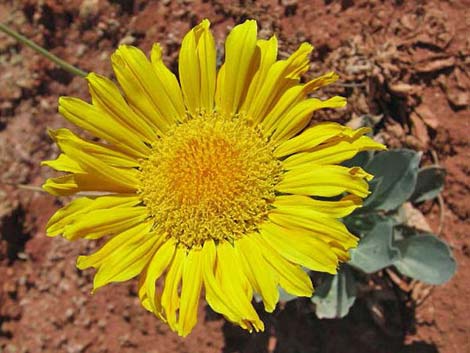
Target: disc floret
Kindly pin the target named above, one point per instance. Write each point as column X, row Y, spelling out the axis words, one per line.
column 209, row 178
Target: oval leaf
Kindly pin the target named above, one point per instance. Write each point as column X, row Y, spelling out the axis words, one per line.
column 375, row 250
column 335, row 295
column 426, row 258
column 395, row 173
column 429, row 184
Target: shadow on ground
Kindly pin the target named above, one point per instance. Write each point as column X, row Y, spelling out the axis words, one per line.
column 296, row 329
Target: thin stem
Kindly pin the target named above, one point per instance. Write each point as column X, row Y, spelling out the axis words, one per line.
column 30, row 188
column 25, row 187
column 348, row 85
column 61, row 63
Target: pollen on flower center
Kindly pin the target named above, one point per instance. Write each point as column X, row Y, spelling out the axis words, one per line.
column 209, row 178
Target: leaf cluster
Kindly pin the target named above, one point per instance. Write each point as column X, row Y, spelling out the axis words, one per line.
column 387, row 239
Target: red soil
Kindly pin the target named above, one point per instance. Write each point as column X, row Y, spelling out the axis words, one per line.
column 408, row 60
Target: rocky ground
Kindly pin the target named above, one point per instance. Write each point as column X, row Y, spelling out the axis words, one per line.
column 404, row 63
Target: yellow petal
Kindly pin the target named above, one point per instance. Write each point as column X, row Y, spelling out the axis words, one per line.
column 215, row 297
column 325, row 180
column 240, row 48
column 334, row 209
column 310, row 138
column 95, row 121
column 281, row 76
column 72, row 183
column 65, row 185
column 289, row 99
column 298, row 117
column 190, row 292
column 226, row 252
column 98, row 223
column 144, row 90
column 261, row 277
column 158, row 264
column 296, row 246
column 106, row 153
column 281, row 107
column 197, row 68
column 321, row 81
column 291, row 276
column 219, row 84
column 64, row 163
column 130, row 237
column 170, row 296
column 125, row 179
column 266, row 50
column 327, row 229
column 107, row 97
column 234, row 285
column 78, row 208
column 141, row 292
column 334, row 152
column 171, row 98
column 127, row 261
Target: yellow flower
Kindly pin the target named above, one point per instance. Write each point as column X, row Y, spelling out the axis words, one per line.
column 207, row 183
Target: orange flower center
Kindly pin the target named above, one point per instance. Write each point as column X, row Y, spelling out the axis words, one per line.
column 209, row 178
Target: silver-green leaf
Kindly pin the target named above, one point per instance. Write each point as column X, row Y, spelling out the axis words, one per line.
column 335, row 295
column 395, row 173
column 426, row 258
column 429, row 184
column 375, row 250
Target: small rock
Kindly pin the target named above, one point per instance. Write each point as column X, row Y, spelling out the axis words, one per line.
column 128, row 40
column 435, row 65
column 10, row 287
column 81, row 49
column 89, row 9
column 126, row 315
column 428, row 116
column 61, row 341
column 10, row 348
column 64, row 286
column 86, row 322
column 419, row 130
column 459, row 98
column 402, row 89
column 69, row 314
column 101, row 323
column 126, row 341
column 75, row 348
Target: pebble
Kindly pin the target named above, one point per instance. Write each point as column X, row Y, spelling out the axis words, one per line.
column 11, row 348
column 69, row 314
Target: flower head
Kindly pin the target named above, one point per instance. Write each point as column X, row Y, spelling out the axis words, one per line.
column 211, row 182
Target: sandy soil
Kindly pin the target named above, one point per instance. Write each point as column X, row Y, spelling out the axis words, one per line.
column 407, row 60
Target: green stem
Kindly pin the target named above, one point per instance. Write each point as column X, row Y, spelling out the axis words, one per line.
column 25, row 186
column 61, row 63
